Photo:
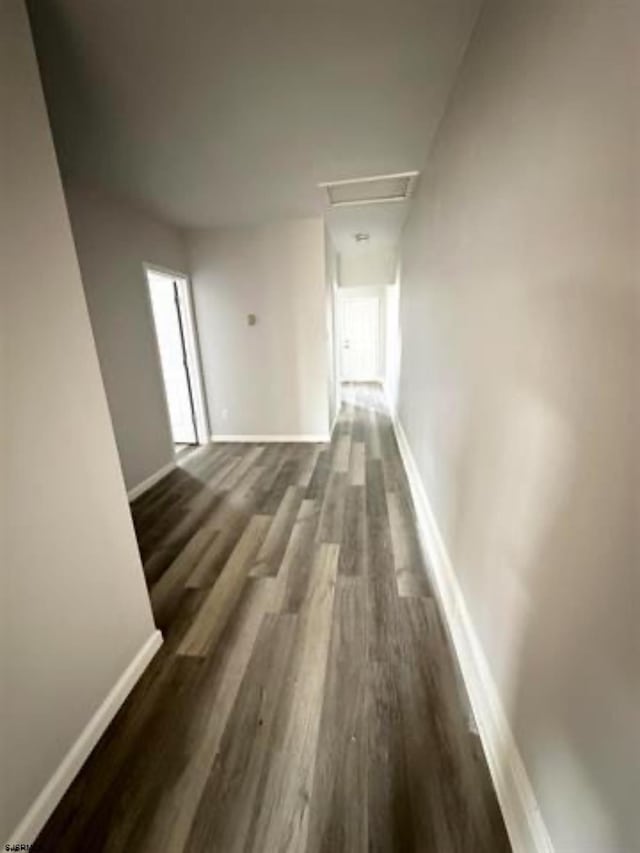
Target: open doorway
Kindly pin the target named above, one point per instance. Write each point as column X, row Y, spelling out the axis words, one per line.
column 177, row 348
column 360, row 345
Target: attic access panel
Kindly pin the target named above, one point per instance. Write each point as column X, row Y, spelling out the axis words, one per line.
column 374, row 190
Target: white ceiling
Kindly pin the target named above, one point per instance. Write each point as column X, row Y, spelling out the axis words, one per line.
column 383, row 223
column 223, row 112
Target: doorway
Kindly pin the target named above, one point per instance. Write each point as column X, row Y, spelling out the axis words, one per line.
column 177, row 348
column 360, row 339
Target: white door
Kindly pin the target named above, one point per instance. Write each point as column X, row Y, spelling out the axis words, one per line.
column 360, row 335
column 169, row 321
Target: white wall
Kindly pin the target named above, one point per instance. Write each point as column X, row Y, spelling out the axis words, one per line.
column 371, row 266
column 271, row 378
column 113, row 241
column 393, row 342
column 74, row 605
column 519, row 389
column 331, row 302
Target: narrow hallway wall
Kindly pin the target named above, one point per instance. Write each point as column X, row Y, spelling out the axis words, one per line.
column 113, row 242
column 519, row 387
column 75, row 613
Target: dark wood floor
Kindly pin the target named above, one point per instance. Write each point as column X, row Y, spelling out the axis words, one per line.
column 305, row 698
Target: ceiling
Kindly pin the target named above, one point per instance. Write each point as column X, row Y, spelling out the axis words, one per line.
column 227, row 112
column 382, row 222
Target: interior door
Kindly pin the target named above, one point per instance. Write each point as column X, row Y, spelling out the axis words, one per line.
column 170, row 332
column 360, row 333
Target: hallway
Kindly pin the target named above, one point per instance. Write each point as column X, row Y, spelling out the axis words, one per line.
column 305, row 697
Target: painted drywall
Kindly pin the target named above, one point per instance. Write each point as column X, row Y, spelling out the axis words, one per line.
column 270, row 378
column 369, row 267
column 518, row 392
column 264, row 102
column 113, row 241
column 393, row 342
column 331, row 318
column 74, row 605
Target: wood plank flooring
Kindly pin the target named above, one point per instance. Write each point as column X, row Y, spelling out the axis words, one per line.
column 305, row 698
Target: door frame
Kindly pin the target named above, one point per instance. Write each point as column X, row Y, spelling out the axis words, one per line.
column 192, row 347
column 353, row 293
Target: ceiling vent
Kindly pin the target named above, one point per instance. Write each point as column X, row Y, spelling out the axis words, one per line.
column 375, row 190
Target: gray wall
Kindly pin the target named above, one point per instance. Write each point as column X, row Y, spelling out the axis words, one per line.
column 519, row 325
column 74, row 605
column 393, row 342
column 271, row 378
column 113, row 240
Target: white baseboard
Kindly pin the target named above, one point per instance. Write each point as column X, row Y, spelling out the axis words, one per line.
column 522, row 816
column 44, row 805
column 142, row 487
column 266, row 439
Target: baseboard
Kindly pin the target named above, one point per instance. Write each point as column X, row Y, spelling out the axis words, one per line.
column 266, row 439
column 142, row 487
column 44, row 805
column 522, row 816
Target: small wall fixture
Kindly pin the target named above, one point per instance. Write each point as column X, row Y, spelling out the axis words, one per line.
column 361, row 237
column 252, row 319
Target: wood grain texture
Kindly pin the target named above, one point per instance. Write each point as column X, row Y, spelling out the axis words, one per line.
column 353, row 553
column 272, row 551
column 356, row 464
column 338, row 816
column 410, row 576
column 342, row 453
column 293, row 576
column 284, row 793
column 224, row 813
column 220, row 603
column 222, row 675
column 305, row 698
column 332, row 515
